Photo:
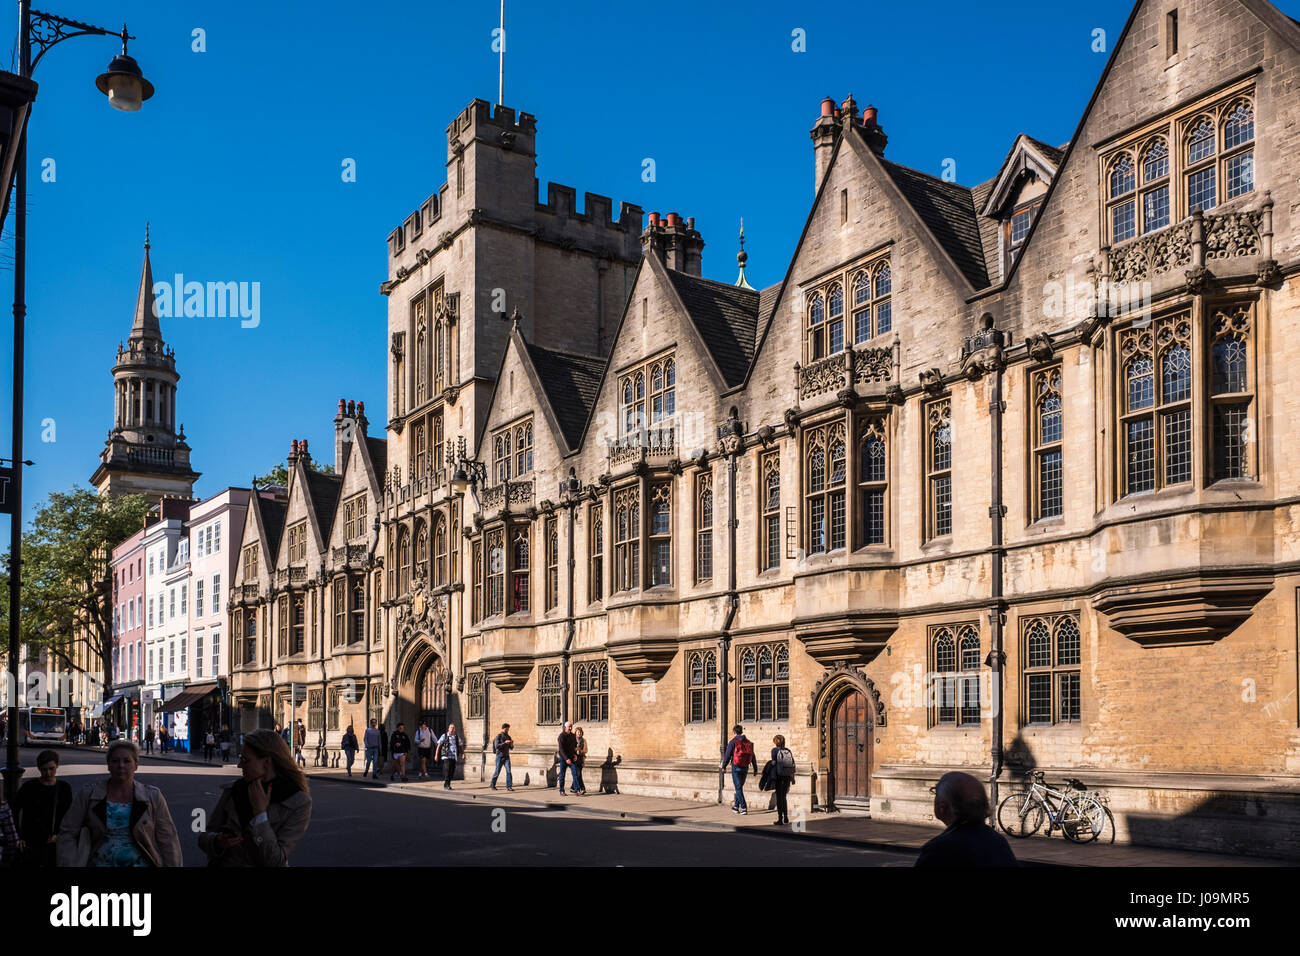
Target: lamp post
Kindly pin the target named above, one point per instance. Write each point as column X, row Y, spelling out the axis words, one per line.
column 126, row 89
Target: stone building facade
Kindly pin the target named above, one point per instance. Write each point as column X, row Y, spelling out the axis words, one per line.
column 996, row 478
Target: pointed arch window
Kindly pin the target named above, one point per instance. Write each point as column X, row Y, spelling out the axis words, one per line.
column 1231, row 391
column 1155, row 185
column 422, row 548
column 703, row 527
column 358, row 610
column 419, row 319
column 873, row 482
column 955, row 661
column 523, row 449
column 552, row 563
column 1238, row 149
column 770, row 495
column 938, row 461
column 496, row 571
column 440, row 551
column 591, row 682
column 627, row 538
column 834, row 320
column 816, row 327
column 596, row 575
column 519, row 570
column 824, row 504
column 1051, row 680
column 548, row 694
column 765, row 682
column 1123, row 209
column 1201, row 168
column 1047, row 435
column 403, row 560
column 1156, row 418
column 702, row 686
column 661, row 535
column 501, row 449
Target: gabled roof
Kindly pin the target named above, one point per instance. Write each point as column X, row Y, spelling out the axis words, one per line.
column 767, row 300
column 570, row 383
column 270, row 516
column 948, row 211
column 323, row 496
column 378, row 449
column 726, row 317
column 1027, row 156
column 1053, row 153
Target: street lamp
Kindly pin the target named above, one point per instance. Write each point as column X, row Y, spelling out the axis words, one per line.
column 126, row 88
column 469, row 473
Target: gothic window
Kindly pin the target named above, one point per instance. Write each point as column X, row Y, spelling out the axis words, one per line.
column 591, row 691
column 1201, row 168
column 403, row 560
column 496, row 570
column 1231, row 392
column 769, row 491
column 938, row 463
column 419, row 321
column 834, row 319
column 552, row 563
column 704, row 527
column 299, row 624
column 440, row 551
column 298, row 542
column 476, row 572
column 1156, row 408
column 627, row 538
column 1123, row 208
column 419, row 451
column 422, row 547
column 340, row 590
column 453, row 545
column 523, row 449
column 519, row 570
column 332, row 709
column 250, row 636
column 633, row 402
column 439, row 355
column 501, row 447
column 477, row 695
column 1155, row 185
column 765, row 682
column 1050, row 649
column 661, row 535
column 702, row 686
column 315, row 709
column 548, row 694
column 1238, row 149
column 596, row 576
column 955, row 659
column 354, row 517
column 816, row 327
column 663, row 390
column 825, row 452
column 1047, row 434
column 882, row 287
column 873, row 482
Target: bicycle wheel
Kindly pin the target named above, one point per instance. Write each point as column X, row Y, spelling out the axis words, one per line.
column 1082, row 819
column 1020, row 814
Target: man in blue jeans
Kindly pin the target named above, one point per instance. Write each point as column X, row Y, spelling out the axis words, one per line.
column 739, row 757
column 371, row 743
column 502, row 744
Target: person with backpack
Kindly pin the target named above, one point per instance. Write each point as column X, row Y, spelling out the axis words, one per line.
column 400, row 745
column 209, row 746
column 502, row 744
column 782, row 778
column 424, row 747
column 349, row 747
column 740, row 757
column 451, row 747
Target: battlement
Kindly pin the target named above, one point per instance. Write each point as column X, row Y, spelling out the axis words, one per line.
column 562, row 202
column 502, row 127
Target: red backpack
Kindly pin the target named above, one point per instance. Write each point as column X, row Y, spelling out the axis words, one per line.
column 743, row 755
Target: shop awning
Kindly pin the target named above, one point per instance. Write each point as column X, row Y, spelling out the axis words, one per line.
column 103, row 705
column 190, row 695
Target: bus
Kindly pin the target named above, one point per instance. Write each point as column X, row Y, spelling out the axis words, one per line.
column 42, row 726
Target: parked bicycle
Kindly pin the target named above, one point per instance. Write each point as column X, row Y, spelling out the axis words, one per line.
column 1079, row 815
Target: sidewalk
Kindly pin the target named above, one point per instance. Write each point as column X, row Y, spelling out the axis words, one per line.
column 839, row 828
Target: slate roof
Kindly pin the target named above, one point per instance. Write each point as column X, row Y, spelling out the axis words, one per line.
column 767, row 299
column 949, row 211
column 727, row 319
column 990, row 229
column 272, row 512
column 1053, row 153
column 570, row 383
column 378, row 448
column 323, row 495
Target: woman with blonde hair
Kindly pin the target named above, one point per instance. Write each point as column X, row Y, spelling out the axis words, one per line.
column 119, row 821
column 260, row 818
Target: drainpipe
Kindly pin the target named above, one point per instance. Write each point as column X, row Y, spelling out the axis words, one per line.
column 731, row 437
column 997, row 515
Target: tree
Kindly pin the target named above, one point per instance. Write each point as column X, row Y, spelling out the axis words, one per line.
column 279, row 475
column 67, row 588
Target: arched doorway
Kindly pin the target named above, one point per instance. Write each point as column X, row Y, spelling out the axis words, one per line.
column 850, row 750
column 431, row 695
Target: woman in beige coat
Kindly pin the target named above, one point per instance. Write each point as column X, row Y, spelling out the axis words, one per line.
column 260, row 818
column 119, row 821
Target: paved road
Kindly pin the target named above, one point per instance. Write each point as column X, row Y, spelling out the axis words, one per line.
column 356, row 825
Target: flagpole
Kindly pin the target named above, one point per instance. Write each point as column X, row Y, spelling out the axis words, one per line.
column 501, row 59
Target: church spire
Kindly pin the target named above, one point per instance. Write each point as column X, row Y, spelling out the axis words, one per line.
column 145, row 326
column 742, row 257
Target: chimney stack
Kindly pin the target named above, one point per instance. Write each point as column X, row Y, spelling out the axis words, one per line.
column 825, row 134
column 677, row 244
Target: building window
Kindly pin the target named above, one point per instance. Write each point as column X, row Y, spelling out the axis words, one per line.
column 523, row 449
column 403, row 560
column 1230, row 391
column 496, row 585
column 250, row 637
column 419, row 321
column 1156, row 404
column 439, row 551
column 151, row 612
column 519, row 570
column 184, row 591
column 702, row 686
column 501, row 446
column 632, row 390
column 215, row 529
column 358, row 610
column 299, row 624
column 552, row 563
column 765, row 682
column 315, row 710
column 1239, row 154
column 627, row 538
column 332, row 709
column 250, row 564
column 1123, row 207
column 198, row 598
column 298, row 542
column 955, row 664
column 1047, row 433
column 873, row 481
column 1050, row 651
column 421, row 566
column 596, row 575
column 216, row 594
column 703, row 527
column 769, row 491
column 171, row 603
column 938, row 462
column 548, row 694
column 216, row 653
column 657, row 378
column 477, row 695
column 340, row 611
column 476, row 570
column 872, row 313
column 354, row 517
column 591, row 688
column 661, row 535
column 825, row 455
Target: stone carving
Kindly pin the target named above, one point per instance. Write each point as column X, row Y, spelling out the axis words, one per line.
column 826, row 375
column 1159, row 252
column 1232, row 235
column 820, row 701
column 874, row 365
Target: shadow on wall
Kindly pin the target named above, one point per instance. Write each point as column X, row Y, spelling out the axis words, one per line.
column 609, row 773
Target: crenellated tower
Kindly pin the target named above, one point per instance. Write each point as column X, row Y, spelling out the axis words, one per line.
column 146, row 451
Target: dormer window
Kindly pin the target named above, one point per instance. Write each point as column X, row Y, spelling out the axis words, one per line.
column 1016, row 230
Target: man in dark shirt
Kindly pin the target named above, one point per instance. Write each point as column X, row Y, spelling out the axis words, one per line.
column 39, row 808
column 567, row 753
column 399, row 745
column 961, row 803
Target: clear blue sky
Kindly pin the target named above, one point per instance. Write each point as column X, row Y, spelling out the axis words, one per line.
column 236, row 161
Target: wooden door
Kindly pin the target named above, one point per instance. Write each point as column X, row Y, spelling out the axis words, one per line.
column 850, row 748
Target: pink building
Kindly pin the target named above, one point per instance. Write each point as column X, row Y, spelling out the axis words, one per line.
column 128, row 632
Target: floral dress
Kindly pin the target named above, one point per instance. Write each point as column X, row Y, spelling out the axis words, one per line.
column 118, row 849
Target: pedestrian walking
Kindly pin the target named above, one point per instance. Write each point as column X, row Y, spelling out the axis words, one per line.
column 224, row 740
column 451, row 747
column 39, row 808
column 148, row 739
column 371, row 739
column 399, row 744
column 579, row 758
column 502, row 744
column 783, row 770
column 566, row 753
column 209, row 746
column 349, row 747
column 119, row 821
column 261, row 817
column 300, row 741
column 961, row 803
column 739, row 757
column 164, row 738
column 424, row 747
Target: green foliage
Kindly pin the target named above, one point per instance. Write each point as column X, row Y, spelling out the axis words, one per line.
column 279, row 475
